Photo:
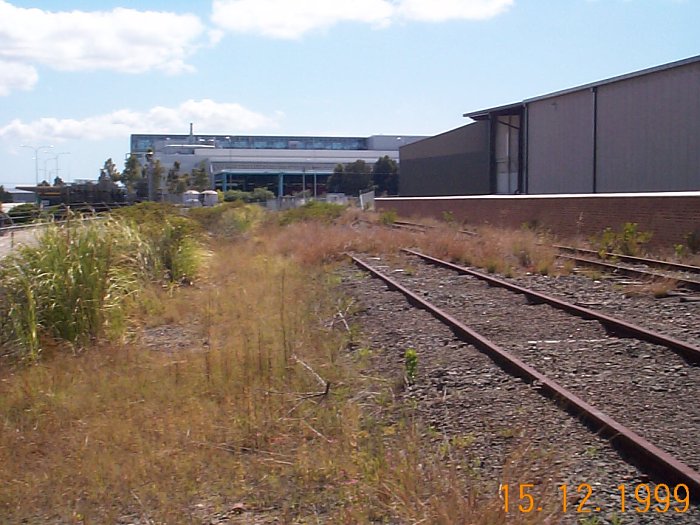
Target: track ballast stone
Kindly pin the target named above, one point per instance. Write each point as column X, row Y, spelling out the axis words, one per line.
column 496, row 428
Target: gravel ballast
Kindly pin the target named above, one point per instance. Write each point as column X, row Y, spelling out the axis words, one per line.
column 462, row 398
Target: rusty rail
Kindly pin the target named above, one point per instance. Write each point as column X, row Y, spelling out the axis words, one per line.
column 632, row 272
column 655, row 263
column 616, row 326
column 638, row 450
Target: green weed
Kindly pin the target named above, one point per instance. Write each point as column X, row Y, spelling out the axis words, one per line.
column 411, row 365
column 312, row 211
column 388, row 217
column 628, row 241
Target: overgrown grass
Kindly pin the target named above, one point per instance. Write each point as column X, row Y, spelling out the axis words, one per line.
column 72, row 286
column 496, row 250
column 312, row 211
column 172, row 248
column 75, row 284
column 240, row 394
column 230, row 218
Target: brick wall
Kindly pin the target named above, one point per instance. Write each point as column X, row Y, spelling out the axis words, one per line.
column 669, row 216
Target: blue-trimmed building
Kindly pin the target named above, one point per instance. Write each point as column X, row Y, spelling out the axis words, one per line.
column 282, row 164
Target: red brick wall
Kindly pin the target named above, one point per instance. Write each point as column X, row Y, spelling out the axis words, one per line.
column 670, row 217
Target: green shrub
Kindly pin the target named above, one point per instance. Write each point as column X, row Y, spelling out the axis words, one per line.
column 257, row 195
column 692, row 240
column 388, row 217
column 147, row 213
column 312, row 211
column 628, row 241
column 23, row 213
column 230, row 218
column 235, row 195
column 74, row 285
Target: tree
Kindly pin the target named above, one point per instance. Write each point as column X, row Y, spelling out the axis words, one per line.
column 133, row 172
column 58, row 181
column 336, row 181
column 157, row 170
column 5, row 196
column 199, row 179
column 385, row 176
column 110, row 170
column 176, row 183
column 351, row 179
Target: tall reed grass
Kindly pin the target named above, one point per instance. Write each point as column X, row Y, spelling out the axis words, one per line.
column 72, row 285
column 75, row 284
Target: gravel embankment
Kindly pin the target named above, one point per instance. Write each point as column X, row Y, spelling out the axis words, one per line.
column 490, row 418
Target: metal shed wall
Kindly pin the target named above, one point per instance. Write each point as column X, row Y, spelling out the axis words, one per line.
column 560, row 144
column 452, row 163
column 648, row 132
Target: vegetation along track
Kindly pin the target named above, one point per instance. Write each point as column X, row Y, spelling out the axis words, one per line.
column 655, row 395
column 651, row 263
column 652, row 393
column 684, row 276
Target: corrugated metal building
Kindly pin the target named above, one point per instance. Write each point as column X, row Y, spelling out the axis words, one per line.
column 633, row 133
column 452, row 163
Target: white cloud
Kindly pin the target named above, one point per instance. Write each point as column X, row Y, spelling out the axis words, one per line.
column 292, row 19
column 124, row 40
column 442, row 10
column 15, row 76
column 209, row 117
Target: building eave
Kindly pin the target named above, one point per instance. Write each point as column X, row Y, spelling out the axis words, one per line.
column 483, row 114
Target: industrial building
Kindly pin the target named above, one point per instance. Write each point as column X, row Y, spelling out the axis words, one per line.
column 638, row 132
column 282, row 164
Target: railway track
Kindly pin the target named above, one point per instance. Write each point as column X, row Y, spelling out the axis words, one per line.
column 574, row 362
column 688, row 277
column 685, row 276
column 650, row 263
column 415, row 226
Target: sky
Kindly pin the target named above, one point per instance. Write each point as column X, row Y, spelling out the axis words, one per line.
column 82, row 76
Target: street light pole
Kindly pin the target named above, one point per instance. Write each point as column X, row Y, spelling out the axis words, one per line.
column 58, row 170
column 36, row 159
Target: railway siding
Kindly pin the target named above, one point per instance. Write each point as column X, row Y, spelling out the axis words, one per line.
column 644, row 386
column 485, row 419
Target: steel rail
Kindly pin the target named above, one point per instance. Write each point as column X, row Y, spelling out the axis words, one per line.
column 417, row 226
column 632, row 272
column 638, row 450
column 632, row 259
column 689, row 352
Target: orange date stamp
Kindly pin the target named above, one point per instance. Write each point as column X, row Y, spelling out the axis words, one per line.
column 642, row 498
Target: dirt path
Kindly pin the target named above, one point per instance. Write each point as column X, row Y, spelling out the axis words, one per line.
column 10, row 240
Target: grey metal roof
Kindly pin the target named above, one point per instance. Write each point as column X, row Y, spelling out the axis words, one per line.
column 483, row 113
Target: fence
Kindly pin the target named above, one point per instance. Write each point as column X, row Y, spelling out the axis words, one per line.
column 367, row 201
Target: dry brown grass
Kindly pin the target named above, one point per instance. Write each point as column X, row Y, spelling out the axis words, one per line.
column 318, row 243
column 232, row 417
column 122, row 430
column 657, row 288
column 508, row 252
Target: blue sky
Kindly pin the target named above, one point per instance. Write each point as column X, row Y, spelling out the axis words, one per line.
column 82, row 76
